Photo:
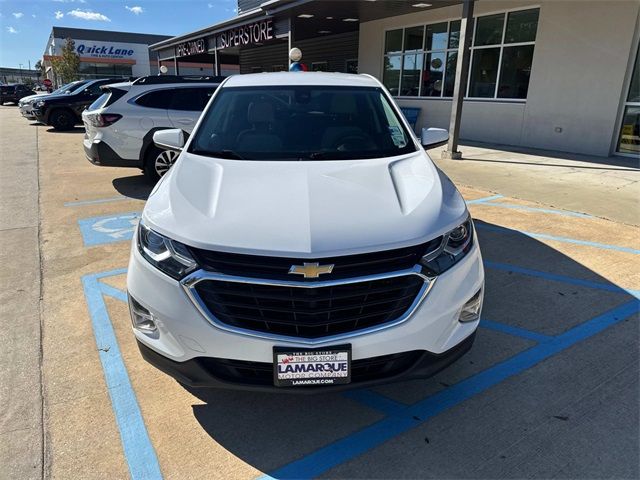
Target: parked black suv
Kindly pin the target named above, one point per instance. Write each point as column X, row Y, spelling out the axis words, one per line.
column 64, row 111
column 13, row 93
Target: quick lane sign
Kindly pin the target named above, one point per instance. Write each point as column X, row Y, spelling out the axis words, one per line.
column 192, row 47
column 105, row 51
column 251, row 34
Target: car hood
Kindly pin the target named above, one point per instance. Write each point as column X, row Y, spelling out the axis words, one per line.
column 305, row 209
column 28, row 98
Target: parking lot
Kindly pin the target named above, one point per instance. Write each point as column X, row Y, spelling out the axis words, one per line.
column 549, row 390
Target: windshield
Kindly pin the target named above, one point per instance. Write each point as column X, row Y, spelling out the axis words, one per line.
column 64, row 88
column 301, row 123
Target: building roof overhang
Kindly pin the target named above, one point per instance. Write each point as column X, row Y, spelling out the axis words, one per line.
column 360, row 10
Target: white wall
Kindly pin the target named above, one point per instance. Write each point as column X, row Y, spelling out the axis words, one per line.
column 580, row 61
column 140, row 53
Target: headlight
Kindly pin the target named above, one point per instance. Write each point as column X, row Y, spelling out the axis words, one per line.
column 454, row 247
column 168, row 256
column 39, row 104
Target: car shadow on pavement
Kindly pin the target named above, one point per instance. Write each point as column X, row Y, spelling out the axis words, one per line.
column 137, row 186
column 534, row 294
column 74, row 130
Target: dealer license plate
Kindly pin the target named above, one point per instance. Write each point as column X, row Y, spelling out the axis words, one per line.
column 303, row 368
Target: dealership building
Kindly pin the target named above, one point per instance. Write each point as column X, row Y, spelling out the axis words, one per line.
column 103, row 53
column 550, row 74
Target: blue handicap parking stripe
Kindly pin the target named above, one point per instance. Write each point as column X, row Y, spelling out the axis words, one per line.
column 138, row 450
column 489, row 201
column 105, row 229
column 561, row 278
column 515, row 331
column 544, row 236
column 551, row 211
column 484, row 199
column 96, row 201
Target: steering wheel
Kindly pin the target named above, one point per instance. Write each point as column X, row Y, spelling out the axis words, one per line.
column 352, row 141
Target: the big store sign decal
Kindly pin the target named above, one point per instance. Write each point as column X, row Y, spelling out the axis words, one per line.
column 103, row 51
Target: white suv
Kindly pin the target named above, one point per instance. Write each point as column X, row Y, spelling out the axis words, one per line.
column 303, row 239
column 120, row 124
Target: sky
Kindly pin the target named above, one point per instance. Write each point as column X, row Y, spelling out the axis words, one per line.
column 26, row 24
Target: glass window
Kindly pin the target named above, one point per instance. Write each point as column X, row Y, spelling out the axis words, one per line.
column 522, row 26
column 391, row 77
column 319, row 67
column 190, row 99
column 484, row 72
column 454, row 34
column 489, row 30
column 393, row 41
column 433, row 76
column 158, row 99
column 629, row 141
column 500, row 67
column 300, row 123
column 450, row 77
column 123, row 70
column 515, row 72
column 437, row 36
column 413, row 38
column 94, row 88
column 411, row 68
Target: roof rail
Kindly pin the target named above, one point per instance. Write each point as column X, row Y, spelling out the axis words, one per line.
column 160, row 79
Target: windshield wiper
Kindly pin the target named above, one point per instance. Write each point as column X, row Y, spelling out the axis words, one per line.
column 227, row 154
column 325, row 156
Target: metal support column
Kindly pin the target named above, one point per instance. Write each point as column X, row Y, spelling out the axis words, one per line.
column 216, row 68
column 175, row 65
column 460, row 85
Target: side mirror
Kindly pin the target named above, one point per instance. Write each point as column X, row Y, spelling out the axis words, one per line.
column 172, row 139
column 434, row 137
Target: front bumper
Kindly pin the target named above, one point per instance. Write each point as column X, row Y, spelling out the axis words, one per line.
column 27, row 112
column 99, row 153
column 222, row 373
column 40, row 116
column 185, row 336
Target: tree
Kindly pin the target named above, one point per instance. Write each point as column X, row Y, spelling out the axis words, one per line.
column 66, row 66
column 39, row 67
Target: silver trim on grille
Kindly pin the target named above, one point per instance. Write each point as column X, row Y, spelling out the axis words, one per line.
column 189, row 283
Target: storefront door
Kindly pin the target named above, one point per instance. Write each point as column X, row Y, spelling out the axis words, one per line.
column 629, row 136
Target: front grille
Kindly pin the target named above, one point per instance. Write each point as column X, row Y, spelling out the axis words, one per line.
column 312, row 312
column 346, row 266
column 258, row 373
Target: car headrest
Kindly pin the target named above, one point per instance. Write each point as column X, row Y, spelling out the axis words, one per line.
column 344, row 104
column 260, row 112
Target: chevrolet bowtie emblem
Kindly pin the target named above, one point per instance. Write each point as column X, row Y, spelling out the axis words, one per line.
column 310, row 270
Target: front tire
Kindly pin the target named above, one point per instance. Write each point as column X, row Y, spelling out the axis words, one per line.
column 61, row 120
column 158, row 162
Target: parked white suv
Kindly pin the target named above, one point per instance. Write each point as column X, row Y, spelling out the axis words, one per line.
column 120, row 124
column 303, row 239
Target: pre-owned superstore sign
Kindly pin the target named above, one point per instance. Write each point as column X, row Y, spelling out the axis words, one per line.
column 191, row 48
column 251, row 34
